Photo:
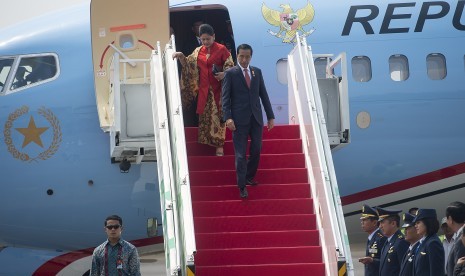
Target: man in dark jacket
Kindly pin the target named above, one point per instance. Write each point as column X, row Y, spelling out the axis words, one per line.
column 395, row 247
column 455, row 214
column 375, row 242
column 243, row 90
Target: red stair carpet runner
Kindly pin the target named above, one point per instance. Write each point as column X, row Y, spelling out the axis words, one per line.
column 273, row 232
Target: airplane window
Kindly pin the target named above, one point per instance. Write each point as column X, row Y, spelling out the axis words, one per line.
column 281, row 70
column 5, row 67
column 34, row 69
column 436, row 66
column 126, row 41
column 398, row 67
column 320, row 66
column 361, row 68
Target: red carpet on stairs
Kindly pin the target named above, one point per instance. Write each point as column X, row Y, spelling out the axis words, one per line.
column 273, row 232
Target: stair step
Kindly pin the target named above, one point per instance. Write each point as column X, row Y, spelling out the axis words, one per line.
column 267, row 161
column 264, row 177
column 278, row 132
column 273, row 231
column 251, row 207
column 255, row 223
column 230, row 192
column 314, row 269
column 268, row 146
column 257, row 239
column 253, row 256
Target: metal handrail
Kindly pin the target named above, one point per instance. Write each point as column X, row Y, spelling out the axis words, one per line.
column 165, row 166
column 310, row 117
column 179, row 153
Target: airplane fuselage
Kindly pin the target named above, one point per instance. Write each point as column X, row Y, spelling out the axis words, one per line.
column 406, row 118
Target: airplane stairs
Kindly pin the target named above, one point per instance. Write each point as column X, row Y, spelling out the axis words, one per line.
column 273, row 232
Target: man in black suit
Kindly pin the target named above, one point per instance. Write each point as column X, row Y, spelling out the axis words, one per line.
column 455, row 214
column 375, row 242
column 243, row 88
column 228, row 41
column 395, row 247
column 193, row 42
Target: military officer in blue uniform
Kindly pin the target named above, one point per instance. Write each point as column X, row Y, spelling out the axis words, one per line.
column 406, row 268
column 375, row 242
column 395, row 247
column 429, row 257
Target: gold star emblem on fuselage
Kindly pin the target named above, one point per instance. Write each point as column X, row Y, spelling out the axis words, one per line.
column 32, row 133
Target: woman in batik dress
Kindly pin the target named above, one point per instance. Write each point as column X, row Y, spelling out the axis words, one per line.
column 198, row 81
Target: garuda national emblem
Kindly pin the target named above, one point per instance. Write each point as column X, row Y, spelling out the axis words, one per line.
column 288, row 21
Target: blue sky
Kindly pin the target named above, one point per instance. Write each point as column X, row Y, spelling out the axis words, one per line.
column 20, row 10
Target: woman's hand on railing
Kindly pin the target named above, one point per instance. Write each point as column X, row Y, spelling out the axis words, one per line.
column 181, row 57
column 177, row 55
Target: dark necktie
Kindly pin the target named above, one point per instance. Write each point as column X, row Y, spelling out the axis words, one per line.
column 386, row 247
column 247, row 77
column 368, row 248
column 407, row 256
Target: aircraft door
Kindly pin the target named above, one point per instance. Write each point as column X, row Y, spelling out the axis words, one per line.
column 130, row 29
column 124, row 33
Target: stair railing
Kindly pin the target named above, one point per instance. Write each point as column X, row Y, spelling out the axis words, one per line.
column 179, row 154
column 166, row 178
column 304, row 98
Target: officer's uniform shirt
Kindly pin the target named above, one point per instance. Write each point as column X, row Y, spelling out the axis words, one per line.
column 429, row 257
column 392, row 254
column 375, row 243
column 406, row 268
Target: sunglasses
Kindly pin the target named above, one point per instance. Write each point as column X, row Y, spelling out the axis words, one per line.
column 110, row 227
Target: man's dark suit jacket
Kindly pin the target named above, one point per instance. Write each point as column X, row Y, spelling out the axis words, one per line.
column 240, row 102
column 373, row 250
column 392, row 254
column 190, row 45
column 429, row 258
column 228, row 41
column 457, row 251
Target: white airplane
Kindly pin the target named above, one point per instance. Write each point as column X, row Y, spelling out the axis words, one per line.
column 63, row 171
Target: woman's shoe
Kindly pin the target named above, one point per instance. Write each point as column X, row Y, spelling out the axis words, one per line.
column 219, row 152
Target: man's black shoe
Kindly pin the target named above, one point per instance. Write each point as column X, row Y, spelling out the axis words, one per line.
column 244, row 193
column 252, row 182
